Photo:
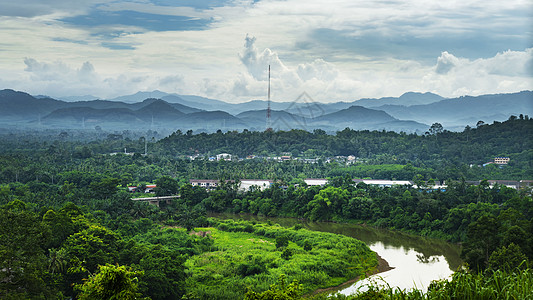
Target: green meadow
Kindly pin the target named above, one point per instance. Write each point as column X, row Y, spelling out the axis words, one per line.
column 249, row 256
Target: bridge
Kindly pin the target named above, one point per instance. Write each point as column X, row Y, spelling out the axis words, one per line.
column 155, row 200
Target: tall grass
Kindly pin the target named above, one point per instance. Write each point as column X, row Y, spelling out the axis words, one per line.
column 517, row 284
column 246, row 257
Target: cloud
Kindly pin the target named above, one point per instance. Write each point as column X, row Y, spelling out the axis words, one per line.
column 47, row 71
column 318, row 69
column 507, row 71
column 35, row 8
column 257, row 62
column 58, row 79
column 507, row 63
column 445, row 63
column 342, row 50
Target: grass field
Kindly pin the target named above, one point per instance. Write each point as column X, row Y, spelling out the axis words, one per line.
column 245, row 257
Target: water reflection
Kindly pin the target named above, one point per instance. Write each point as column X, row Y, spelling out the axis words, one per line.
column 411, row 268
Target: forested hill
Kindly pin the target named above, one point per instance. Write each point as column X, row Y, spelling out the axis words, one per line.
column 511, row 138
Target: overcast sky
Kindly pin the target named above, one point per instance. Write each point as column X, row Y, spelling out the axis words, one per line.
column 338, row 50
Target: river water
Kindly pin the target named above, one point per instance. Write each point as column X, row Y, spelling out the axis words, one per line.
column 416, row 260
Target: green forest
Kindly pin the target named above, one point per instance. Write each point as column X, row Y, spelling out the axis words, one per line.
column 69, row 228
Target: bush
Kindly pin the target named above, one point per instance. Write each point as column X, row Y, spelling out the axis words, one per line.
column 286, row 254
column 282, row 241
column 307, row 246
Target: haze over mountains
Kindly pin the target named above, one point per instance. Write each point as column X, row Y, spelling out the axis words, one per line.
column 411, row 112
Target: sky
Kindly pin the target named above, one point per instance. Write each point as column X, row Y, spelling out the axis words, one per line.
column 338, row 50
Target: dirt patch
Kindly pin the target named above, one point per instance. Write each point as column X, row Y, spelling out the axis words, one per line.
column 200, row 233
column 383, row 266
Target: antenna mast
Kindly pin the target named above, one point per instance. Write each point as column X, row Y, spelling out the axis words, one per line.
column 269, row 124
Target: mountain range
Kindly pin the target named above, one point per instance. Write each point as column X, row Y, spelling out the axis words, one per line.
column 411, row 112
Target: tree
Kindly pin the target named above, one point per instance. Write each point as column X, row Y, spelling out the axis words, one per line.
column 507, row 259
column 164, row 274
column 436, row 128
column 482, row 239
column 22, row 259
column 111, row 282
column 91, row 247
column 166, row 186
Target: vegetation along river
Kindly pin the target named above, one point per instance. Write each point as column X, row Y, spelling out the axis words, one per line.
column 416, row 261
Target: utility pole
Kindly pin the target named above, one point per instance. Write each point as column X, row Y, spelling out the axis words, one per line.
column 268, row 120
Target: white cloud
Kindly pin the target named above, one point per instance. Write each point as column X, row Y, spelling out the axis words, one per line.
column 506, row 71
column 256, row 62
column 445, row 63
column 213, row 62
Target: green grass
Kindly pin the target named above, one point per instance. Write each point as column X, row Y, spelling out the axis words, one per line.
column 246, row 258
column 517, row 284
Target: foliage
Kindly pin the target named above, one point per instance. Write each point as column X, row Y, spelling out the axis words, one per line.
column 66, row 209
column 22, row 258
column 516, row 284
column 281, row 290
column 111, row 282
column 333, row 260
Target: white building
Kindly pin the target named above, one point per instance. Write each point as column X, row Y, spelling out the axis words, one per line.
column 261, row 184
column 386, row 183
column 501, row 160
column 223, row 156
column 315, row 181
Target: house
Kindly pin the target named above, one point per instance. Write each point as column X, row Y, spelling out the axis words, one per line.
column 223, row 156
column 501, row 160
column 261, row 184
column 148, row 189
column 315, row 181
column 208, row 184
column 508, row 183
column 386, row 183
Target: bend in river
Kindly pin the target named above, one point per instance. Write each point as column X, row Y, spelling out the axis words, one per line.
column 416, row 260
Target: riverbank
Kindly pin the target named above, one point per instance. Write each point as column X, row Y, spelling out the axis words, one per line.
column 383, row 266
column 417, row 260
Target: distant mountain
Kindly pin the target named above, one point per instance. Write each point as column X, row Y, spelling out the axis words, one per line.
column 22, row 106
column 358, row 117
column 139, row 96
column 84, row 116
column 356, row 114
column 411, row 112
column 280, row 120
column 212, row 120
column 198, row 102
column 76, row 98
column 466, row 110
column 159, row 110
column 99, row 104
column 202, row 103
column 185, row 109
column 407, row 99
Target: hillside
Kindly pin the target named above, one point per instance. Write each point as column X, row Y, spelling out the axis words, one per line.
column 281, row 120
column 466, row 110
column 22, row 106
column 411, row 112
column 472, row 146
